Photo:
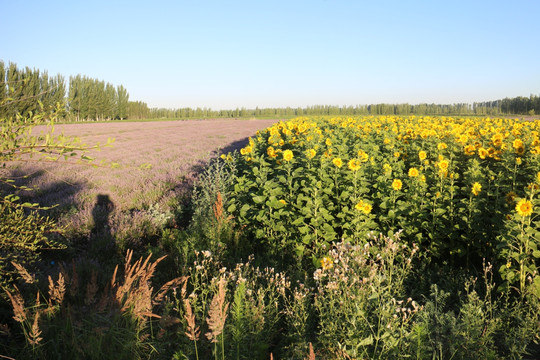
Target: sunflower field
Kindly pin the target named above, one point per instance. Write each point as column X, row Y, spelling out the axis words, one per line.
column 461, row 189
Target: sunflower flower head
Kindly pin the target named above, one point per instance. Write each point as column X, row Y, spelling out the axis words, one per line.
column 363, row 207
column 288, row 155
column 397, row 184
column 413, row 172
column 476, row 188
column 524, row 207
column 354, row 164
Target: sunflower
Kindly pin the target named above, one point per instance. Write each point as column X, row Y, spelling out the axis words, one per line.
column 397, row 184
column 483, row 153
column 422, row 155
column 443, row 165
column 476, row 188
column 469, row 150
column 354, row 164
column 363, row 156
column 337, row 162
column 413, row 172
column 524, row 207
column 246, row 150
column 288, row 155
column 497, row 139
column 510, row 197
column 364, row 207
column 311, row 153
column 271, row 152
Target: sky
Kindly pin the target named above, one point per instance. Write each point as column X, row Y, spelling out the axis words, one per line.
column 228, row 54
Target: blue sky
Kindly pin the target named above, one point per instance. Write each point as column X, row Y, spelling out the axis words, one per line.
column 227, row 54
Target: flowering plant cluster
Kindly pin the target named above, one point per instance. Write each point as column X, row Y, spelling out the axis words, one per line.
column 464, row 189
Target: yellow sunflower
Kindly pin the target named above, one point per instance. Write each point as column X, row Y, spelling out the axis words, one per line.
column 337, row 162
column 397, row 184
column 354, row 164
column 476, row 188
column 524, row 207
column 413, row 172
column 443, row 165
column 288, row 155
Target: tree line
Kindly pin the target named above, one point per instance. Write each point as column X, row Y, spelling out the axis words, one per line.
column 26, row 91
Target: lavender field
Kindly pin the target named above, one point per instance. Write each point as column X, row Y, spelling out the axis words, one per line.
column 157, row 162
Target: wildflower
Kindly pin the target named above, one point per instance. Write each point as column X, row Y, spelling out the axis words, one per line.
column 387, row 168
column 397, row 184
column 524, row 207
column 476, row 188
column 442, row 146
column 328, row 142
column 396, row 154
column 337, row 162
column 326, row 263
column 422, row 155
column 288, row 155
column 311, row 153
column 413, row 172
column 354, row 164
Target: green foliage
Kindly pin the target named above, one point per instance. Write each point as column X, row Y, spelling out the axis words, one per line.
column 481, row 327
column 24, row 232
column 361, row 304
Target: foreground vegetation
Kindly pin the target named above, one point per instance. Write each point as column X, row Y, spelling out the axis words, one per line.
column 372, row 237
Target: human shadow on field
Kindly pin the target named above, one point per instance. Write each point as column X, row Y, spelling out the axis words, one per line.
column 101, row 239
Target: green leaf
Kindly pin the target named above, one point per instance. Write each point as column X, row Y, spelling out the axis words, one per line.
column 367, row 341
column 259, row 199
